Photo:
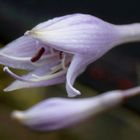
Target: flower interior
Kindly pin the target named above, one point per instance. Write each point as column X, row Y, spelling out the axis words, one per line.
column 62, row 61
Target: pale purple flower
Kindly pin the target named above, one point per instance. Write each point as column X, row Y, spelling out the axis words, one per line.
column 62, row 48
column 58, row 113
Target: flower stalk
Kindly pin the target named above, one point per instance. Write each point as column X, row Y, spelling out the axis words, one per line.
column 129, row 33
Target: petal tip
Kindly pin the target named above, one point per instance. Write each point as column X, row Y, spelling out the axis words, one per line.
column 17, row 115
column 27, row 33
column 74, row 93
column 7, row 89
column 11, row 88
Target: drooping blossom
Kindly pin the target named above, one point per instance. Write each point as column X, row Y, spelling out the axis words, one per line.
column 62, row 48
column 58, row 113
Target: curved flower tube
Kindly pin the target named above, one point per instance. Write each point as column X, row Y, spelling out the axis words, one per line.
column 63, row 47
column 58, row 113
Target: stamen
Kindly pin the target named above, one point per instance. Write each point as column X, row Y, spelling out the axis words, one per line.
column 52, row 50
column 38, row 55
column 60, row 54
column 56, row 68
column 49, row 77
column 15, row 58
column 63, row 62
column 36, row 77
column 15, row 76
column 62, row 57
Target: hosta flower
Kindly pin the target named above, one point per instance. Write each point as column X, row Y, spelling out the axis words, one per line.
column 63, row 47
column 57, row 113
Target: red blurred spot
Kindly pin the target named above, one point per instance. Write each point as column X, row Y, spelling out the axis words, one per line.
column 125, row 84
column 97, row 73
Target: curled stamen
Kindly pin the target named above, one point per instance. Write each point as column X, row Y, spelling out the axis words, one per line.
column 50, row 76
column 36, row 77
column 38, row 55
column 15, row 76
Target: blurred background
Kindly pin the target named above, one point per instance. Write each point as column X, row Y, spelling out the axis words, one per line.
column 118, row 69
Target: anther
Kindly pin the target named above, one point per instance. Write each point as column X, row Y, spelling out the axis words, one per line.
column 60, row 54
column 38, row 55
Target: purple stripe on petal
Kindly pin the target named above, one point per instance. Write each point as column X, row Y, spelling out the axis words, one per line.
column 78, row 34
